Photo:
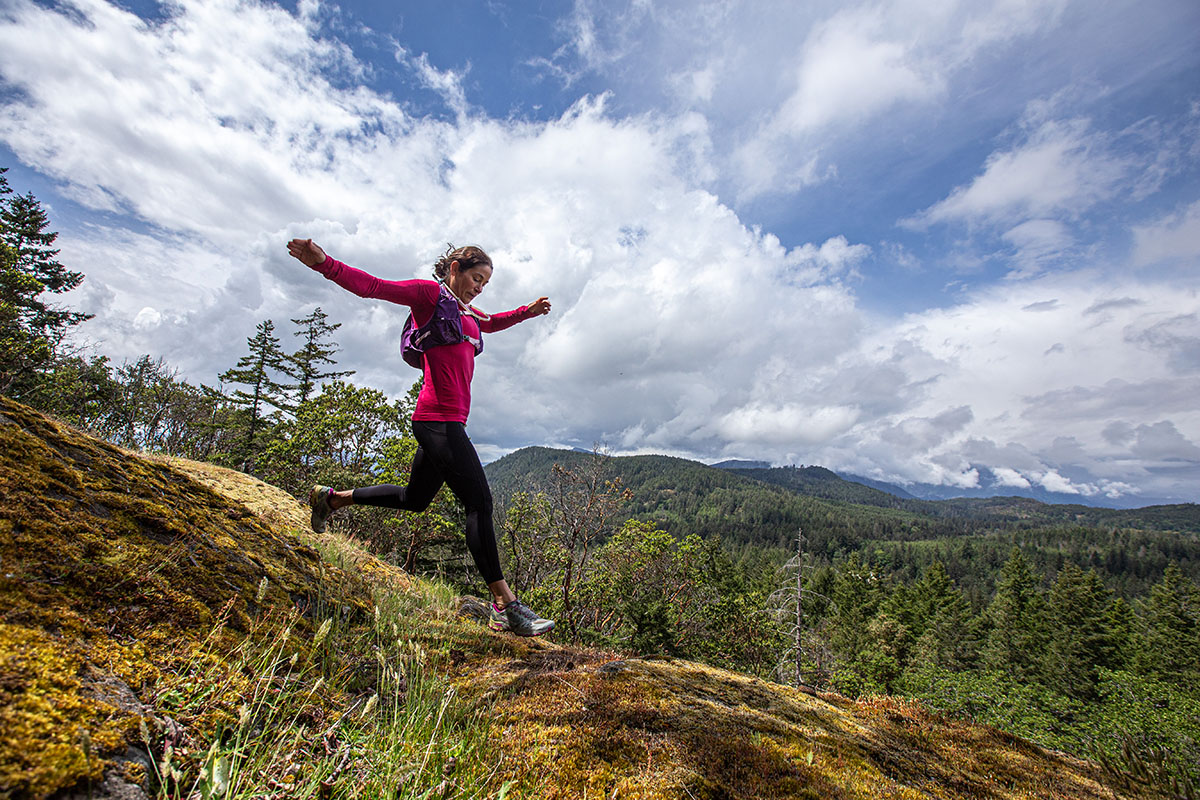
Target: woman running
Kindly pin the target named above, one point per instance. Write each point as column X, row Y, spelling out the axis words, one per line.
column 442, row 337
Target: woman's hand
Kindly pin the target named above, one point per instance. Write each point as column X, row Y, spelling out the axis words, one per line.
column 539, row 307
column 307, row 252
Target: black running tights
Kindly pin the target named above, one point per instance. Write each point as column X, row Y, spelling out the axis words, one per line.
column 446, row 455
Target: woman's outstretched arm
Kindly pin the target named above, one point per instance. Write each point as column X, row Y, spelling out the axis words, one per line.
column 418, row 295
column 507, row 319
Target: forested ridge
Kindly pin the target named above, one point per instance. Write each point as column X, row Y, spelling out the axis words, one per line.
column 972, row 538
column 821, row 482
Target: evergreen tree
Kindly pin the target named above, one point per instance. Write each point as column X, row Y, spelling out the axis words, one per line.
column 83, row 392
column 31, row 329
column 1172, row 619
column 948, row 632
column 1080, row 644
column 146, row 392
column 1017, row 639
column 1122, row 633
column 857, row 595
column 307, row 361
column 257, row 370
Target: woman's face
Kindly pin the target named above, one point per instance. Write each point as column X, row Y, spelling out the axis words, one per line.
column 468, row 283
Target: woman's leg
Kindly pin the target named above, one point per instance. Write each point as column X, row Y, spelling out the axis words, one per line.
column 424, row 480
column 448, row 445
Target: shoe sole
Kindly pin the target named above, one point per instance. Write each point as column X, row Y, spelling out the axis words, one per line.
column 317, row 495
column 501, row 628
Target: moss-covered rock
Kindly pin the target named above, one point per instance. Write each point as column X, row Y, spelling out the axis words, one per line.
column 111, row 566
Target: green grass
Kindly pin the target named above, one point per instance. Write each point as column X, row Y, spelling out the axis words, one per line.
column 359, row 709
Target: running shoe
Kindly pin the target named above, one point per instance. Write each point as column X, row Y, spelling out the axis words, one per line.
column 519, row 619
column 318, row 499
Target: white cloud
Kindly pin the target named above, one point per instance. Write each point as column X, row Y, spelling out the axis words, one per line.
column 447, row 83
column 1010, row 477
column 850, row 71
column 147, row 318
column 1037, row 244
column 793, row 423
column 1035, row 365
column 1162, row 442
column 677, row 326
column 1062, row 168
column 222, row 135
column 1051, row 481
column 1174, row 238
column 1007, row 20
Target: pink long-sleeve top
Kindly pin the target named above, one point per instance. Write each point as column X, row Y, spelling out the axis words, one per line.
column 446, row 394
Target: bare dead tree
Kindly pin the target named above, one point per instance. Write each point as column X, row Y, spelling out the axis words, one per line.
column 787, row 603
column 582, row 503
column 532, row 549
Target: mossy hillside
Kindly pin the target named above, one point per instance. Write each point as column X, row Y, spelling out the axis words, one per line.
column 660, row 728
column 562, row 722
column 110, row 565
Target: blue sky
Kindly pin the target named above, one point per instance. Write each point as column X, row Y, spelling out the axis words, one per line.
column 918, row 240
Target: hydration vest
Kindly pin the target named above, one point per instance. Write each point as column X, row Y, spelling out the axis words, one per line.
column 444, row 327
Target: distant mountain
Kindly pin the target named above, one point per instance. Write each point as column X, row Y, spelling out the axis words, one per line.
column 989, row 486
column 809, row 481
column 683, row 496
column 884, row 486
column 821, row 482
column 767, row 506
column 734, row 463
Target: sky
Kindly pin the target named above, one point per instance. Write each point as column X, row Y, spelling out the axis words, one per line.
column 916, row 240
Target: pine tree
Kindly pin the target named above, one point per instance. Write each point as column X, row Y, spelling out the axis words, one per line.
column 1172, row 618
column 947, row 635
column 31, row 329
column 856, row 595
column 1017, row 639
column 1122, row 633
column 257, row 370
column 858, row 628
column 1080, row 643
column 307, row 361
